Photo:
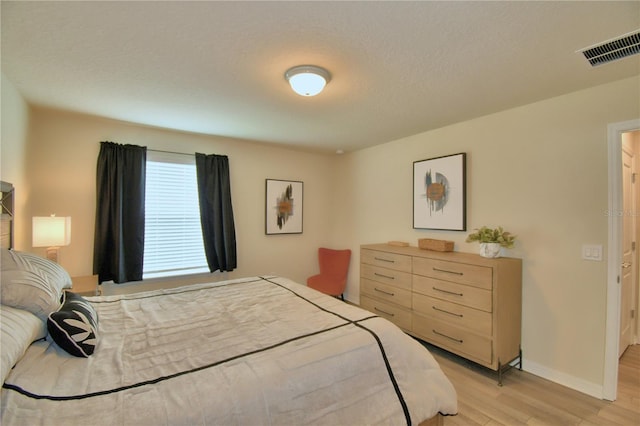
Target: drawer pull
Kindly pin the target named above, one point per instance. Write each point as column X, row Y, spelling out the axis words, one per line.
column 448, row 337
column 384, row 312
column 448, row 272
column 383, row 292
column 447, row 312
column 384, row 276
column 448, row 292
column 384, row 260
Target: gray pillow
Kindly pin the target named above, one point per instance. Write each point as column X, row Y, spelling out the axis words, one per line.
column 32, row 283
column 19, row 329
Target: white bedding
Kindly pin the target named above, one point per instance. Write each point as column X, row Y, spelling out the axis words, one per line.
column 260, row 350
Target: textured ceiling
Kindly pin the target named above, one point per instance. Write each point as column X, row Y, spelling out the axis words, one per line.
column 398, row 68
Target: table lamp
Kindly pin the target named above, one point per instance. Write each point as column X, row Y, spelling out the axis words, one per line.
column 51, row 232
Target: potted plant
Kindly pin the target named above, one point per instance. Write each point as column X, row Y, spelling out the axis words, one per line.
column 492, row 240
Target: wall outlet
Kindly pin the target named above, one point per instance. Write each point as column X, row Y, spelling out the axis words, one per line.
column 592, row 252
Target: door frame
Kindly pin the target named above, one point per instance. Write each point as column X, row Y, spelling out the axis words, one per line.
column 614, row 255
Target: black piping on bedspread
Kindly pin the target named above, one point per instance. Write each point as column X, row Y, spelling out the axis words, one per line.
column 347, row 322
column 163, row 378
column 140, row 296
column 357, row 323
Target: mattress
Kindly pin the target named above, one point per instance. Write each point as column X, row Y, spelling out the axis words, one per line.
column 257, row 350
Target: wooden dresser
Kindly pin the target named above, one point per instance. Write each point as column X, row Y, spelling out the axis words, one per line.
column 461, row 302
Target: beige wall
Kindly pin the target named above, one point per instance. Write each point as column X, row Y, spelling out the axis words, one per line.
column 540, row 171
column 62, row 153
column 14, row 123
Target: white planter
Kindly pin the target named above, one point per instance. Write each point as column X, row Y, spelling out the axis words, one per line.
column 490, row 250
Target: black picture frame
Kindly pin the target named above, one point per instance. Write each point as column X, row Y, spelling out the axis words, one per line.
column 284, row 200
column 440, row 193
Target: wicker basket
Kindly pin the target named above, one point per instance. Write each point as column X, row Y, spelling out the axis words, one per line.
column 436, row 245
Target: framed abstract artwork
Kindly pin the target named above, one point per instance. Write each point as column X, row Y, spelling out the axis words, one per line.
column 439, row 193
column 283, row 214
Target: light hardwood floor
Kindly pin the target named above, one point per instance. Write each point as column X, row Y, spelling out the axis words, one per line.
column 526, row 399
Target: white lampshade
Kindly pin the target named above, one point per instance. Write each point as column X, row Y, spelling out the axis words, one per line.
column 51, row 231
column 307, row 80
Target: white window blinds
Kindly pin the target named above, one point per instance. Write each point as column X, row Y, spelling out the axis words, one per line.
column 173, row 235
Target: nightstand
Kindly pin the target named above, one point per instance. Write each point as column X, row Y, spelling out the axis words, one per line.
column 85, row 286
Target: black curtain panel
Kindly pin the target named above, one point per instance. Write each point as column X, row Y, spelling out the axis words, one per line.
column 216, row 212
column 118, row 251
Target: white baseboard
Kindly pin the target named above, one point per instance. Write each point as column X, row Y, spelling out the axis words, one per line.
column 564, row 379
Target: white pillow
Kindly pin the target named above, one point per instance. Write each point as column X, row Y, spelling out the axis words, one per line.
column 18, row 329
column 32, row 283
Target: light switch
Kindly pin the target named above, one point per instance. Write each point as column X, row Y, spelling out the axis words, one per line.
column 592, row 252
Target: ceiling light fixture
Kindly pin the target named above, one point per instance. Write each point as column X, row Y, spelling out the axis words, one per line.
column 307, row 80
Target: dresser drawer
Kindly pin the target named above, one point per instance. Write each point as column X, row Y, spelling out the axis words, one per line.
column 462, row 273
column 458, row 293
column 452, row 338
column 399, row 296
column 394, row 261
column 399, row 316
column 452, row 313
column 386, row 276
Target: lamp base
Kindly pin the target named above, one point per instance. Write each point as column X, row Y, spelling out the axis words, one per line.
column 52, row 254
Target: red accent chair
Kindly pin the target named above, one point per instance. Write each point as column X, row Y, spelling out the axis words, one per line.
column 334, row 266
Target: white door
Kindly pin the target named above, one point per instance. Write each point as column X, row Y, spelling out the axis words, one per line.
column 626, row 292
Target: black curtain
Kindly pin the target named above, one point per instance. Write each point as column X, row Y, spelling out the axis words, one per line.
column 216, row 212
column 118, row 249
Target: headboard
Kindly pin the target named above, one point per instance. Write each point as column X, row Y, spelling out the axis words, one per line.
column 6, row 206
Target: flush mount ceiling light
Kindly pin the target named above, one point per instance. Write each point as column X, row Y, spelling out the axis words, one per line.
column 307, row 80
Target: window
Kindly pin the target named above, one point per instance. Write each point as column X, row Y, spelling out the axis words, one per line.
column 173, row 234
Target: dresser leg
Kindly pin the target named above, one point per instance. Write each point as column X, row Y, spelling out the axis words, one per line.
column 509, row 365
column 520, row 358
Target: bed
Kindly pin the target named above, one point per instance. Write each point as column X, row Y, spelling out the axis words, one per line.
column 250, row 351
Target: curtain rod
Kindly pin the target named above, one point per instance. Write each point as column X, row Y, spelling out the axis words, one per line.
column 181, row 153
column 170, row 152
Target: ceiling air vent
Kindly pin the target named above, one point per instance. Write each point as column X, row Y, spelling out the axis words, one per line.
column 612, row 50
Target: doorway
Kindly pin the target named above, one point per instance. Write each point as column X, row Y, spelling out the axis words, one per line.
column 628, row 280
column 615, row 215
